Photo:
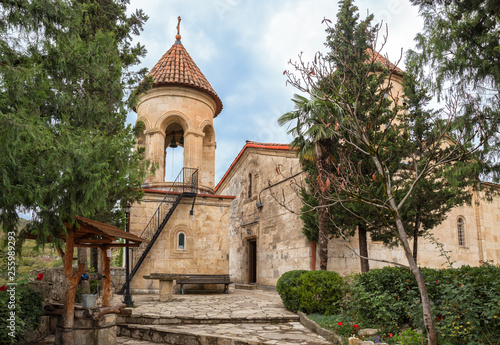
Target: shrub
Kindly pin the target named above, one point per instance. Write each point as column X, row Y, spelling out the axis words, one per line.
column 28, row 310
column 465, row 302
column 382, row 297
column 311, row 291
column 287, row 287
column 321, row 292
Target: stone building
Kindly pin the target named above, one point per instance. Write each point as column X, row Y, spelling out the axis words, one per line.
column 264, row 233
column 178, row 112
column 248, row 224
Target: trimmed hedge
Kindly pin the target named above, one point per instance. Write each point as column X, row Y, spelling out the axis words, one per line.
column 319, row 292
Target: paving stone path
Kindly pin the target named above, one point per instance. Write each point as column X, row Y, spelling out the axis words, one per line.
column 240, row 317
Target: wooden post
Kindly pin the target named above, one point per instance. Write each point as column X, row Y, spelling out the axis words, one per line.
column 106, row 275
column 72, row 279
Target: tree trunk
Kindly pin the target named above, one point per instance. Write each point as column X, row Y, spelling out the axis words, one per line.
column 72, row 279
column 363, row 248
column 424, row 296
column 323, row 233
column 94, row 259
column 82, row 259
column 415, row 234
column 322, row 207
column 426, row 304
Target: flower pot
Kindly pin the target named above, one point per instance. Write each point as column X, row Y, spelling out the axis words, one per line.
column 88, row 301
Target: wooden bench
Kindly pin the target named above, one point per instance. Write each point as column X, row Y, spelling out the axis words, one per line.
column 205, row 279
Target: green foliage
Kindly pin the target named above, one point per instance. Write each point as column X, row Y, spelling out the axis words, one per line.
column 382, row 297
column 312, row 291
column 288, row 289
column 65, row 73
column 409, row 337
column 465, row 302
column 27, row 309
column 321, row 292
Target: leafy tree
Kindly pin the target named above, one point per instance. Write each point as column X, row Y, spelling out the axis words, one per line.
column 65, row 68
column 460, row 41
column 355, row 77
column 312, row 139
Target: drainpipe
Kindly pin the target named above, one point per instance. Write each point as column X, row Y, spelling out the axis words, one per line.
column 313, row 255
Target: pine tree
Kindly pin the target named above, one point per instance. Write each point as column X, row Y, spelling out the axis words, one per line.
column 372, row 125
column 65, row 70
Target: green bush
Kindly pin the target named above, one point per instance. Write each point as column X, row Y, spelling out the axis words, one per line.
column 382, row 297
column 27, row 309
column 321, row 292
column 465, row 302
column 311, row 291
column 287, row 287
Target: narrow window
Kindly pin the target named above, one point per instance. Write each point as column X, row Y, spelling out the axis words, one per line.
column 249, row 185
column 461, row 231
column 181, row 241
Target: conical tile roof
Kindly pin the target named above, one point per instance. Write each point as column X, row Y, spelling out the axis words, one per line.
column 176, row 67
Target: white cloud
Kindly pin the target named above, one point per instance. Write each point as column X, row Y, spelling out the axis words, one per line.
column 244, row 46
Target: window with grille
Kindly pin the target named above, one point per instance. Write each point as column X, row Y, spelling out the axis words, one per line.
column 461, row 231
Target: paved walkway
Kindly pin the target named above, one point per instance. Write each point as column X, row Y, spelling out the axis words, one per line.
column 242, row 316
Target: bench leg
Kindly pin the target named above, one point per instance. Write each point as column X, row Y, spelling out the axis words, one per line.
column 182, row 289
column 166, row 290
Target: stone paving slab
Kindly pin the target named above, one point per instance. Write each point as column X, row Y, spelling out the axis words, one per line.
column 241, row 306
column 255, row 333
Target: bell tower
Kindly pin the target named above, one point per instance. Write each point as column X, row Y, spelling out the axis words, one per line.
column 178, row 112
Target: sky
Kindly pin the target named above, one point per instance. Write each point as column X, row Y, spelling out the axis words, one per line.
column 242, row 47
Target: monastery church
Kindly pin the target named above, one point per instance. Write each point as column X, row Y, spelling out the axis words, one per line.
column 240, row 226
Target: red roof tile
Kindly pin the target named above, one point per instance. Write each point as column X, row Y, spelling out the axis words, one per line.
column 176, row 67
column 384, row 61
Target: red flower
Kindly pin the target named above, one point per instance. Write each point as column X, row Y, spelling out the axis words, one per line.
column 340, row 323
column 39, row 276
column 390, row 335
column 3, row 288
column 437, row 281
column 356, row 327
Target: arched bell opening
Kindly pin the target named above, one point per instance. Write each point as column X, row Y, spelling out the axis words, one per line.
column 174, row 151
column 208, row 163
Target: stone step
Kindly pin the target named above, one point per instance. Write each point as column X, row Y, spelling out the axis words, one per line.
column 222, row 334
column 145, row 319
column 245, row 286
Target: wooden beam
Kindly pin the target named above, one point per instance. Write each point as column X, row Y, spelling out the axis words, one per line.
column 97, row 240
column 111, row 245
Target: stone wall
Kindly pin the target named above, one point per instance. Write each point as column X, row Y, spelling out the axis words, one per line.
column 281, row 246
column 206, row 247
column 53, row 285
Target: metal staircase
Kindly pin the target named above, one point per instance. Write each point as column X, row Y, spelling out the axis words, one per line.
column 185, row 185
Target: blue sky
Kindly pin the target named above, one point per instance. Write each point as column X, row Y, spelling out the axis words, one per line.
column 242, row 47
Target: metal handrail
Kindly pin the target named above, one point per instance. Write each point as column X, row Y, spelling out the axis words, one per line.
column 186, row 184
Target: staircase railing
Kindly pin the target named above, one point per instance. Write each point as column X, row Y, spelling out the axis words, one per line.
column 185, row 185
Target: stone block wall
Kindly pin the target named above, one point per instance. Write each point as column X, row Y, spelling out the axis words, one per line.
column 206, row 248
column 53, row 285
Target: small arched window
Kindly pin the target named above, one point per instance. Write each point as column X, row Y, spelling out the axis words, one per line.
column 249, row 185
column 461, row 231
column 181, row 241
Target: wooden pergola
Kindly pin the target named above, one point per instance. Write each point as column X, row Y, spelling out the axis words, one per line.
column 91, row 233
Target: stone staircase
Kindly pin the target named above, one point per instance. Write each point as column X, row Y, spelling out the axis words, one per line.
column 238, row 318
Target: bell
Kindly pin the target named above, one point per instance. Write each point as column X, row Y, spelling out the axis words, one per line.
column 181, row 141
column 173, row 144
